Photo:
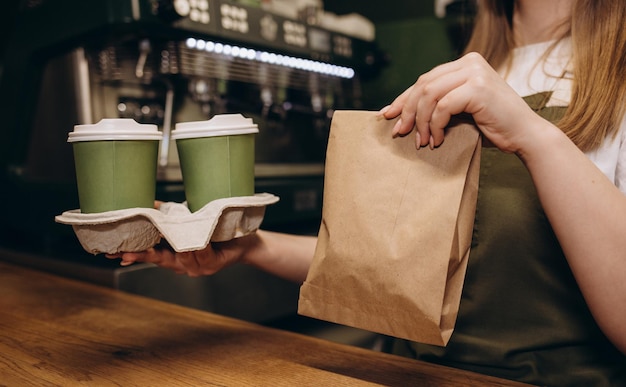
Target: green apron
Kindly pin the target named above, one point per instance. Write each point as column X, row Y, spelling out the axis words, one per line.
column 522, row 315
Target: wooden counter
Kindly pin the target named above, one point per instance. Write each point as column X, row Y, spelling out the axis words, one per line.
column 57, row 331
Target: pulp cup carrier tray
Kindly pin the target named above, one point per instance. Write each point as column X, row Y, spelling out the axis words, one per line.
column 137, row 229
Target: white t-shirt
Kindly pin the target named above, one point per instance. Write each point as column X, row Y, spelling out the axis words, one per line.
column 530, row 75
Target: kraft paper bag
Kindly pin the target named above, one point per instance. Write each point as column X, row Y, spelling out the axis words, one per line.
column 396, row 229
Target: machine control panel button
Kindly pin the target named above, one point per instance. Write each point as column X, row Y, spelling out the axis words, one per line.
column 195, row 10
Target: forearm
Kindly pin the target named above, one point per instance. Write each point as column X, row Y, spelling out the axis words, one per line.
column 286, row 256
column 588, row 215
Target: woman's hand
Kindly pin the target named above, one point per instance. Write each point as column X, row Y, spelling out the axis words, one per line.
column 467, row 85
column 286, row 256
column 210, row 260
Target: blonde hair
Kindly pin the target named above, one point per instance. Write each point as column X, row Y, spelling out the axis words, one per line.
column 598, row 102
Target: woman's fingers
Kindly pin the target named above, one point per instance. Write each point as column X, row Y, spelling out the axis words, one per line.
column 416, row 105
column 395, row 108
column 431, row 92
column 192, row 263
column 467, row 85
column 189, row 260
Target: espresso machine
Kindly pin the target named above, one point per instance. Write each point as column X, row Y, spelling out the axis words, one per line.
column 75, row 62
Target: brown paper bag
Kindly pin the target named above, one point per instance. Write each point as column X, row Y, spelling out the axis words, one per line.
column 396, row 229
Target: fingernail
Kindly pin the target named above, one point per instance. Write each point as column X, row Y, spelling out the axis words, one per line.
column 418, row 140
column 431, row 143
column 383, row 110
column 396, row 128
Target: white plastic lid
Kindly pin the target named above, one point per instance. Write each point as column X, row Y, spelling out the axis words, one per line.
column 219, row 125
column 115, row 129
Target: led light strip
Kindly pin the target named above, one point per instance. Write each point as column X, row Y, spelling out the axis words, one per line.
column 271, row 58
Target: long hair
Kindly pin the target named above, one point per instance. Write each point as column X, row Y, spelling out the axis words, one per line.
column 598, row 38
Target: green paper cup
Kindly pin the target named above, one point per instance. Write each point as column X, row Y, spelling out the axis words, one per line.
column 216, row 158
column 116, row 163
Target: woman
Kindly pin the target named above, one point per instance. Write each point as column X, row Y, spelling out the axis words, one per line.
column 544, row 299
